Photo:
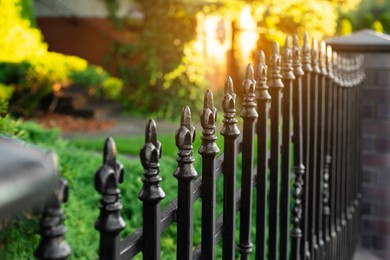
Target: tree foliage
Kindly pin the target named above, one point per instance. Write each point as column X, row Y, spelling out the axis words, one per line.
column 370, row 14
column 28, row 71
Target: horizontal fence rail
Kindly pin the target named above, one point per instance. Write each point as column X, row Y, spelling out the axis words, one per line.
column 305, row 120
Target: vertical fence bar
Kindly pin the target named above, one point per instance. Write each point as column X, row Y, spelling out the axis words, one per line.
column 306, row 79
column 249, row 114
column 354, row 137
column 313, row 207
column 299, row 168
column 230, row 133
column 275, row 85
column 352, row 147
column 343, row 159
column 208, row 150
column 348, row 157
column 327, row 177
column 262, row 97
column 335, row 159
column 109, row 222
column 287, row 79
column 185, row 174
column 339, row 158
column 151, row 193
column 53, row 245
column 320, row 146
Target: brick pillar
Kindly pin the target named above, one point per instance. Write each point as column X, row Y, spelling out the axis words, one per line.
column 376, row 154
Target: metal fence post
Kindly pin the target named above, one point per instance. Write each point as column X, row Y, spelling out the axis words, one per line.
column 276, row 86
column 287, row 78
column 263, row 99
column 299, row 169
column 208, row 150
column 151, row 193
column 306, row 106
column 249, row 115
column 230, row 132
column 109, row 222
column 185, row 174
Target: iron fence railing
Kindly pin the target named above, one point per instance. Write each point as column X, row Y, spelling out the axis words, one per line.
column 311, row 105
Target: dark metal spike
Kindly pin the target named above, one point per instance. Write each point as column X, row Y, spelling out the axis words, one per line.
column 261, row 78
column 306, row 65
column 151, row 132
column 249, row 72
column 329, row 66
column 314, row 56
column 229, row 107
column 229, row 89
column 208, row 100
column 209, row 113
column 186, row 117
column 296, row 57
column 287, row 69
column 109, row 152
column 275, row 76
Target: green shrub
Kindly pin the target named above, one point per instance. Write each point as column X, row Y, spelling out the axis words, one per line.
column 90, row 78
column 111, row 88
column 13, row 73
column 98, row 82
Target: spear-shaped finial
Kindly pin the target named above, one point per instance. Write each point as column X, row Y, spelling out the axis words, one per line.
column 185, row 136
column 261, row 78
column 109, row 152
column 185, row 119
column 297, row 65
column 314, row 56
column 287, row 69
column 208, row 119
column 322, row 58
column 229, row 99
column 249, row 74
column 275, row 76
column 150, row 155
column 248, row 105
column 229, row 107
column 209, row 110
column 329, row 61
column 306, row 65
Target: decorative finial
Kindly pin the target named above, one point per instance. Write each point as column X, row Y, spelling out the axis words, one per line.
column 275, row 77
column 150, row 155
column 249, row 72
column 287, row 69
column 314, row 56
column 229, row 107
column 261, row 78
column 185, row 136
column 249, row 105
column 306, row 65
column 322, row 58
column 298, row 72
column 107, row 178
column 208, row 119
column 335, row 70
column 329, row 61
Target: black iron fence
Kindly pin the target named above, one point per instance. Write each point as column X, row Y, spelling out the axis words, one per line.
column 307, row 181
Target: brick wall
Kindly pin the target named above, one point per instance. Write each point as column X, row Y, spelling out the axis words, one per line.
column 376, row 155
